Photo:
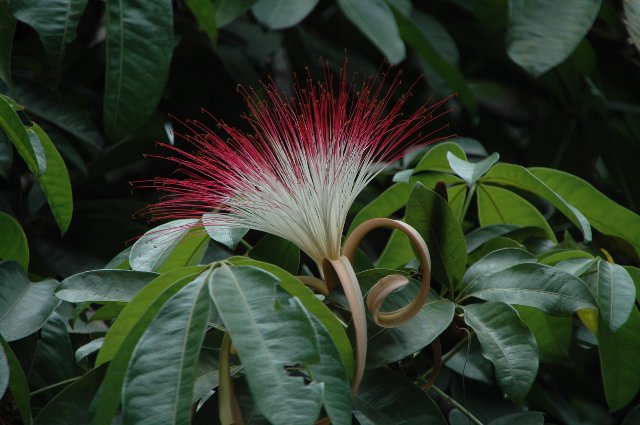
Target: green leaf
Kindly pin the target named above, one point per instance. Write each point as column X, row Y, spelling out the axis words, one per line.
column 520, row 177
column 189, row 251
column 228, row 10
column 88, row 348
column 7, row 29
column 633, row 417
column 269, row 334
column 61, row 112
column 482, row 235
column 54, row 359
column 17, row 134
column 24, row 306
column 542, row 34
column 618, row 361
column 144, row 305
column 70, row 404
column 507, row 343
column 553, row 334
column 6, row 156
column 336, row 391
column 520, row 418
column 576, row 266
column 280, row 14
column 470, row 172
column 417, row 39
column 139, row 46
column 387, row 345
column 227, row 236
column 388, row 202
column 165, row 359
column 276, row 250
column 634, row 273
column 13, row 245
column 126, row 331
column 494, row 262
column 557, row 256
column 501, row 206
column 436, row 158
column 103, row 286
column 205, row 14
column 55, row 21
column 375, row 20
column 632, row 20
column 18, row 385
column 54, row 181
column 604, row 214
column 614, row 292
column 397, row 253
column 155, row 246
column 432, row 217
column 553, row 291
column 316, row 307
column 385, row 398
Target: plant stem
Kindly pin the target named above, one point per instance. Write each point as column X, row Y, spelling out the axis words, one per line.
column 467, row 202
column 446, row 357
column 457, row 405
column 57, row 384
column 245, row 244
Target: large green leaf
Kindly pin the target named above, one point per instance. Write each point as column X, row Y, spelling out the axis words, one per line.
column 387, row 345
column 619, row 361
column 336, row 391
column 12, row 126
column 54, row 359
column 18, row 385
column 419, row 41
column 508, row 343
column 436, row 158
column 276, row 250
column 7, row 29
column 269, row 334
column 165, row 359
column 13, row 245
column 481, row 235
column 70, row 404
column 205, row 13
column 316, row 307
column 385, row 398
column 144, row 305
column 634, row 273
column 543, row 33
column 55, row 21
column 189, row 251
column 494, row 262
column 375, row 19
column 54, row 181
column 103, row 286
column 139, row 46
column 520, row 177
column 61, row 112
column 280, row 14
column 126, row 331
column 432, row 217
column 24, row 306
column 553, row 334
column 227, row 236
column 501, row 206
column 614, row 293
column 553, row 291
column 604, row 214
column 154, row 247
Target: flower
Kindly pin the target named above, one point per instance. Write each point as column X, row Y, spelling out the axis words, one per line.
column 300, row 169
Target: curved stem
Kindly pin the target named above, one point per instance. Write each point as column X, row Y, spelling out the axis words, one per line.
column 344, row 273
column 467, row 202
column 229, row 410
column 455, row 404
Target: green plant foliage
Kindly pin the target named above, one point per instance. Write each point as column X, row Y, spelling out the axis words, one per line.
column 7, row 28
column 24, row 306
column 508, row 343
column 173, row 338
column 139, row 43
column 376, row 404
column 543, row 33
column 103, row 286
column 14, row 245
column 270, row 12
column 54, row 21
column 247, row 301
column 278, row 251
column 430, row 215
column 18, row 385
